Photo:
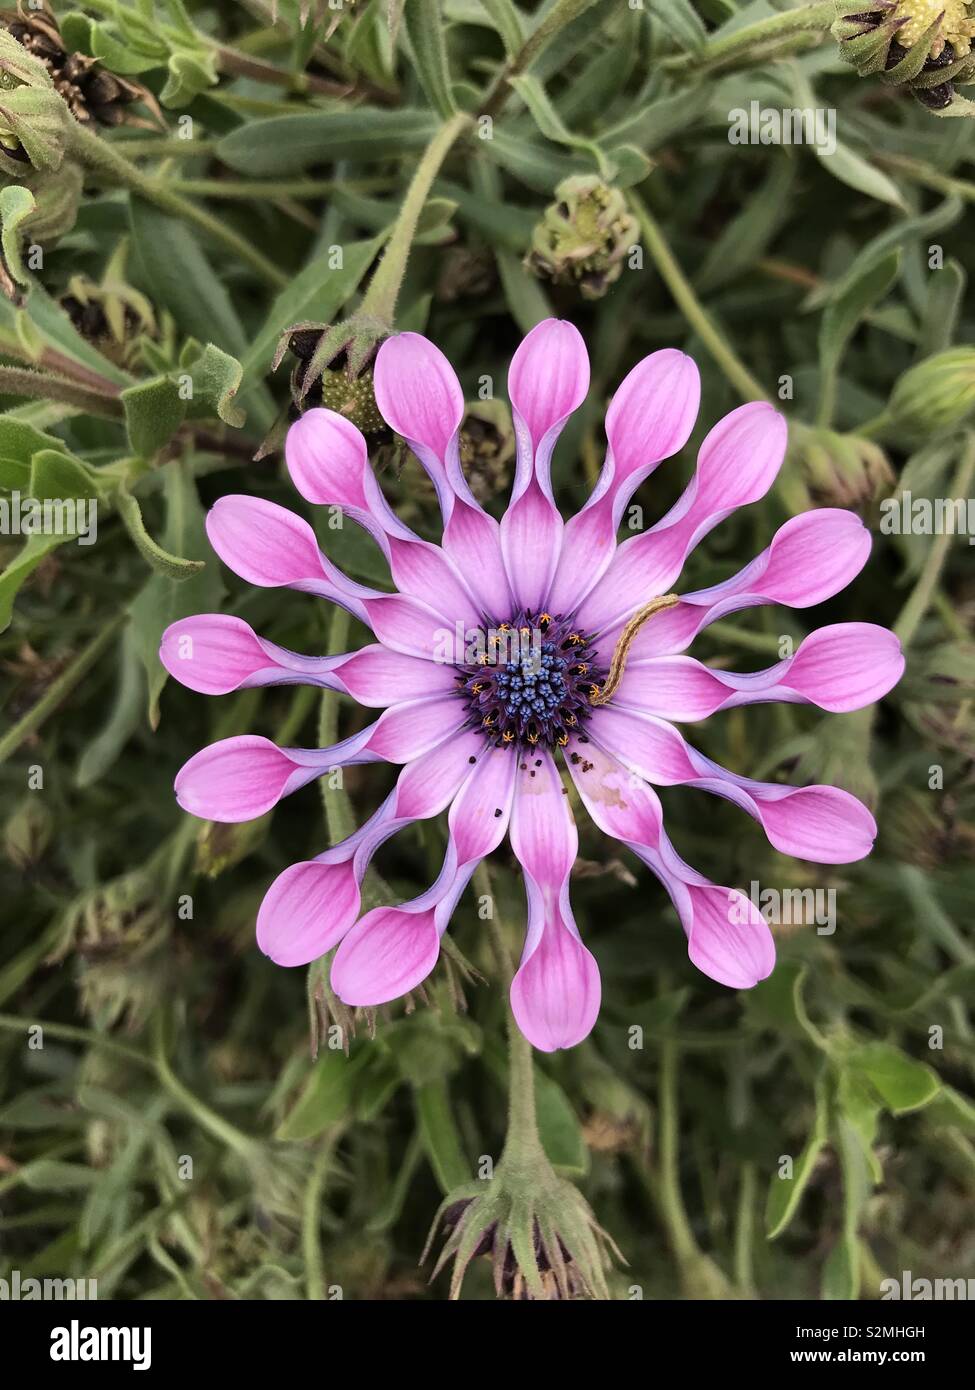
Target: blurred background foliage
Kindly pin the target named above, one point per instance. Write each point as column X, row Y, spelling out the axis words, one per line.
column 128, row 929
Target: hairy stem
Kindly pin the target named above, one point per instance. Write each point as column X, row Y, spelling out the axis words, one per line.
column 693, row 310
column 105, row 158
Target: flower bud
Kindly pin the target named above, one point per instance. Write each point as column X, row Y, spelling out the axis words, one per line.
column 583, row 236
column 27, row 832
column 935, row 395
column 826, row 468
column 56, row 199
column 34, row 124
column 925, row 45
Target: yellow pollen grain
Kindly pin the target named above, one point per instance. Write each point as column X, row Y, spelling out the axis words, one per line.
column 956, row 27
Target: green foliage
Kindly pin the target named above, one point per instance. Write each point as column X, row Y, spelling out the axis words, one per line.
column 836, row 1096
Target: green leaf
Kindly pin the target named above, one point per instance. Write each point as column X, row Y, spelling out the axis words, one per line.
column 785, row 1194
column 552, row 126
column 682, row 22
column 746, row 236
column 441, row 1141
column 559, row 1128
column 16, row 204
column 315, row 295
column 842, row 317
column 325, row 1098
column 945, row 294
column 102, row 750
column 178, row 274
column 856, row 172
column 59, row 477
column 172, row 566
column 154, row 412
column 163, row 600
column 215, row 377
column 903, row 1083
column 287, row 144
column 20, row 568
column 507, row 22
column 425, row 28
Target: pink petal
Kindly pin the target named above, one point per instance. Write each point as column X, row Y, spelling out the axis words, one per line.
column 733, row 947
column 379, row 677
column 531, row 538
column 212, row 653
column 269, row 546
column 419, row 397
column 472, row 539
column 327, row 459
column 412, row 627
column 620, row 803
column 329, row 465
column 649, row 419
column 846, row 666
column 822, row 824
column 555, row 993
column 307, row 909
column 737, row 464
column 264, row 543
column 425, row 572
column 728, row 938
column 238, row 779
column 479, row 816
column 385, row 955
column 838, row 668
column 409, row 730
column 811, row 558
column 548, row 380
column 216, row 653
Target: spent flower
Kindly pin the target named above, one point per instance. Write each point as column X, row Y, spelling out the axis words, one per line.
column 584, row 236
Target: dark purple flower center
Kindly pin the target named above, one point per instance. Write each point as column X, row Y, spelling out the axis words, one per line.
column 528, row 683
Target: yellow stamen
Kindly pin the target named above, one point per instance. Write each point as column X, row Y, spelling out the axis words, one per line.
column 627, row 636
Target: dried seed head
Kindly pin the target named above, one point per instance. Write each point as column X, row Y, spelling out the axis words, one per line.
column 584, row 236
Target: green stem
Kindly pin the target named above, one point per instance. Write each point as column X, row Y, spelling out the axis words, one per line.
column 809, row 17
column 260, row 188
column 563, row 12
column 60, row 688
column 750, row 641
column 105, row 158
column 208, row 1119
column 335, row 801
column 232, row 60
column 311, row 1222
column 745, row 1230
column 166, row 147
column 522, row 1145
column 692, row 308
column 668, row 1192
column 70, row 1033
column 23, row 381
column 383, row 292
column 927, row 582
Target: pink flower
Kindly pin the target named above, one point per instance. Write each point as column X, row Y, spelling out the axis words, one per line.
column 490, row 660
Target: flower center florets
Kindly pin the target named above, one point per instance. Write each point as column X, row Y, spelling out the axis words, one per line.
column 531, row 681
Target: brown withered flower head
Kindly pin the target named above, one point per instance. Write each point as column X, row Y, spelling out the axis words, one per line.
column 92, row 94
